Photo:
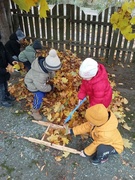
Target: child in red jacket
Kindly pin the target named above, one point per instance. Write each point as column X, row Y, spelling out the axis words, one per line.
column 95, row 83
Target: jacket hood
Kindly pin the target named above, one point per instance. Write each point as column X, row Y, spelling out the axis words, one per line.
column 110, row 125
column 13, row 37
column 30, row 48
column 35, row 66
column 101, row 74
column 38, row 65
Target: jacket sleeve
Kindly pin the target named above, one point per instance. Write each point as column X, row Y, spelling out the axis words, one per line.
column 42, row 87
column 27, row 56
column 8, row 57
column 91, row 149
column 16, row 48
column 3, row 71
column 82, row 129
column 82, row 92
column 22, row 57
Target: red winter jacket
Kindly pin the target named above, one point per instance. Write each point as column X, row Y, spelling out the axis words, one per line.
column 98, row 88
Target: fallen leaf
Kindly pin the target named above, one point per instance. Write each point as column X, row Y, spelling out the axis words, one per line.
column 42, row 167
column 125, row 101
column 64, row 80
column 121, row 84
column 125, row 126
column 127, row 144
column 65, row 154
column 58, row 158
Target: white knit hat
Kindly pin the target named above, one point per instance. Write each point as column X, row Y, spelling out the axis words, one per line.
column 52, row 61
column 88, row 68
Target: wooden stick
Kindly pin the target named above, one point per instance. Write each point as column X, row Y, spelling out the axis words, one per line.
column 45, row 133
column 52, row 145
column 48, row 124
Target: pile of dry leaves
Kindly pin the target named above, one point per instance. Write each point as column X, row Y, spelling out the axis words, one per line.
column 58, row 104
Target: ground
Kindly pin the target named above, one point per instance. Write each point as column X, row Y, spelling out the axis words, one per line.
column 23, row 160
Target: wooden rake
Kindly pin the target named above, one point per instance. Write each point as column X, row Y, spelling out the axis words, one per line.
column 48, row 144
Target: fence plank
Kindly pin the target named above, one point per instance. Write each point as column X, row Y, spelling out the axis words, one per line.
column 55, row 26
column 68, row 25
column 88, row 37
column 72, row 16
column 31, row 25
column 61, row 26
column 98, row 35
column 77, row 29
column 37, row 22
column 43, row 28
column 133, row 59
column 129, row 52
column 82, row 33
column 114, row 41
column 124, row 52
column 20, row 19
column 104, row 33
column 120, row 40
column 93, row 35
column 109, row 35
column 26, row 24
column 49, row 29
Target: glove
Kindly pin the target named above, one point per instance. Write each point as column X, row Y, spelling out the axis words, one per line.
column 67, row 129
column 79, row 101
column 10, row 69
column 82, row 154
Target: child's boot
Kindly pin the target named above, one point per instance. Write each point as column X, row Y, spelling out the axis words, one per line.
column 3, row 100
column 35, row 114
column 99, row 160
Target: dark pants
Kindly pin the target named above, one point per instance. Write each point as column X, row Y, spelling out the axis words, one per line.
column 27, row 65
column 38, row 99
column 104, row 150
column 3, row 91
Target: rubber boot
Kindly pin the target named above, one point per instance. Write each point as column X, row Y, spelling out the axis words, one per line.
column 35, row 114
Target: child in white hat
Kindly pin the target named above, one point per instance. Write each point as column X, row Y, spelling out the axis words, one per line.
column 102, row 126
column 95, row 83
column 37, row 79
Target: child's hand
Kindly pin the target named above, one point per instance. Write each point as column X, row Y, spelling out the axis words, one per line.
column 82, row 154
column 79, row 101
column 67, row 129
column 10, row 69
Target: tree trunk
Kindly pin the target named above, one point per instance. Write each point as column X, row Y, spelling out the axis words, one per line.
column 5, row 26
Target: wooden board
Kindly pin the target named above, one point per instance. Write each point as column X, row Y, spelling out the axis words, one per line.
column 55, row 146
column 47, row 124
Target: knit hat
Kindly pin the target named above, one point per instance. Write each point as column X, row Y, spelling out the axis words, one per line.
column 52, row 61
column 97, row 114
column 37, row 44
column 88, row 68
column 20, row 35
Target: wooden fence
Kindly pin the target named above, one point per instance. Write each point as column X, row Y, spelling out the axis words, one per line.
column 67, row 27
